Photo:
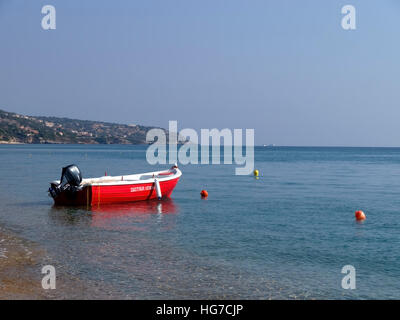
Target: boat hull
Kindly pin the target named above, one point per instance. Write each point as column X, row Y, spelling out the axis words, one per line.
column 104, row 194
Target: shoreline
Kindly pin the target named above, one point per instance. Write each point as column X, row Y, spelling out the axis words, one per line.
column 9, row 142
column 18, row 261
column 21, row 262
column 198, row 145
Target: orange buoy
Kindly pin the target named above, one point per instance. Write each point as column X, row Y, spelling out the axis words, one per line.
column 360, row 215
column 204, row 193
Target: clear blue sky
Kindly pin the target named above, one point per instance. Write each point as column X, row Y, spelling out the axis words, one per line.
column 285, row 68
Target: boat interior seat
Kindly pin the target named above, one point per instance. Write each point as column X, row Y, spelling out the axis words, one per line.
column 146, row 177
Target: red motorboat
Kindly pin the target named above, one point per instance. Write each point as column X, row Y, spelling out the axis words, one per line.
column 73, row 190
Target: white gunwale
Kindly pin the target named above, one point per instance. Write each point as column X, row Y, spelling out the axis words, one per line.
column 140, row 178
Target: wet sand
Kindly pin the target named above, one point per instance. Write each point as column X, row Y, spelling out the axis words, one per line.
column 18, row 263
column 21, row 263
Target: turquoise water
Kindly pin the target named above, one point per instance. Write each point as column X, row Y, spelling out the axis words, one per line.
column 286, row 235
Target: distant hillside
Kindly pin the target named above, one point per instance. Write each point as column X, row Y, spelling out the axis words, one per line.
column 16, row 128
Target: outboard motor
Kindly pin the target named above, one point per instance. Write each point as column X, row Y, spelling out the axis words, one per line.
column 70, row 181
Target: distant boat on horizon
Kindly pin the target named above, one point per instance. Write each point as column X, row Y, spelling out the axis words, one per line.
column 269, row 145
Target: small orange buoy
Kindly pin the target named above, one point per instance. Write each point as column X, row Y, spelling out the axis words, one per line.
column 360, row 215
column 204, row 193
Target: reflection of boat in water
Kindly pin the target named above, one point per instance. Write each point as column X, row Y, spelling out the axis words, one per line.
column 143, row 207
column 125, row 215
column 73, row 190
column 114, row 216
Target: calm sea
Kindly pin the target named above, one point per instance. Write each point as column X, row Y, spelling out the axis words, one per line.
column 286, row 235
